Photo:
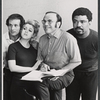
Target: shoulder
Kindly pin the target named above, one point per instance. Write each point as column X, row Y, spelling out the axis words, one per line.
column 6, row 35
column 68, row 36
column 72, row 32
column 15, row 45
column 34, row 44
column 94, row 33
column 93, row 37
column 43, row 38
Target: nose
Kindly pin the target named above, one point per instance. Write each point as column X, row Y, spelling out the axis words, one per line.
column 46, row 23
column 13, row 27
column 26, row 31
column 79, row 24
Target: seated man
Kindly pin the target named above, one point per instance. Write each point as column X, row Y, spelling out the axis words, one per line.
column 58, row 50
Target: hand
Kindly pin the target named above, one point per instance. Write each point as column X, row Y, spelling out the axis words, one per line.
column 44, row 67
column 35, row 67
column 54, row 78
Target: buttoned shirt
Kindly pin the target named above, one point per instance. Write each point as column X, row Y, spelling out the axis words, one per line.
column 6, row 42
column 58, row 50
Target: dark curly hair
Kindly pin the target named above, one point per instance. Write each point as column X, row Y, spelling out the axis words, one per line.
column 82, row 11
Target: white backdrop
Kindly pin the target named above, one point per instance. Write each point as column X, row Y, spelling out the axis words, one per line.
column 35, row 9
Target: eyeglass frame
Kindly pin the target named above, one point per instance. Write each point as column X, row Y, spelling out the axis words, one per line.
column 49, row 21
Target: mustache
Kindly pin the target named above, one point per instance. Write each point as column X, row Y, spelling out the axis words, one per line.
column 78, row 28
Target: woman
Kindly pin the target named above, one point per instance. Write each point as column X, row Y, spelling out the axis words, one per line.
column 21, row 58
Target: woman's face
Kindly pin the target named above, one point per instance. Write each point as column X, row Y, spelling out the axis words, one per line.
column 27, row 31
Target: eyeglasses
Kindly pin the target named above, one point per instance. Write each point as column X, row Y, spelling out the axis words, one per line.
column 49, row 21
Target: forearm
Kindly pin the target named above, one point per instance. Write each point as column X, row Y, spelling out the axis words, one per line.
column 71, row 66
column 20, row 69
column 16, row 68
column 37, row 64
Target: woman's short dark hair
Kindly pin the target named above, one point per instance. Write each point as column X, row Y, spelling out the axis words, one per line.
column 16, row 16
column 82, row 11
column 59, row 19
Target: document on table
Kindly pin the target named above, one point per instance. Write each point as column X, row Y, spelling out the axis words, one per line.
column 36, row 75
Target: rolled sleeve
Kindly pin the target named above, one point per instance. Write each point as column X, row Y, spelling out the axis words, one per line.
column 73, row 50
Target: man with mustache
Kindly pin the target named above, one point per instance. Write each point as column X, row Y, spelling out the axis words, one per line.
column 85, row 81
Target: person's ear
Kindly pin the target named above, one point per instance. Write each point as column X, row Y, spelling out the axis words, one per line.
column 89, row 22
column 58, row 24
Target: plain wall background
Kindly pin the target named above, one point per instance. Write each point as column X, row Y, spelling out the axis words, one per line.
column 35, row 9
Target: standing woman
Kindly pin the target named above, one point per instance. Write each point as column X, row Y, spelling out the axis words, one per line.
column 21, row 58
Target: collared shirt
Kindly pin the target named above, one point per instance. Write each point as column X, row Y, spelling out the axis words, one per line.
column 6, row 42
column 58, row 50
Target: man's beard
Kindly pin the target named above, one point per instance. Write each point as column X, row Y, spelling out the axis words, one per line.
column 79, row 31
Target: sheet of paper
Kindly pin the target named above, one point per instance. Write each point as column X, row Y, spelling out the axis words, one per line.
column 33, row 76
column 54, row 72
column 36, row 75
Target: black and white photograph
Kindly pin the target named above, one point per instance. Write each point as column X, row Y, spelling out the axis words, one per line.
column 49, row 50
